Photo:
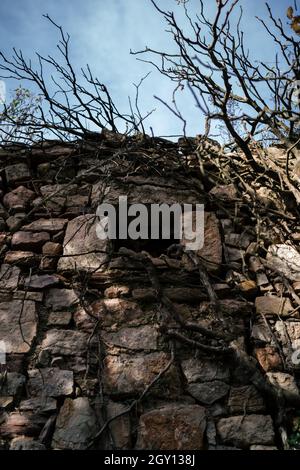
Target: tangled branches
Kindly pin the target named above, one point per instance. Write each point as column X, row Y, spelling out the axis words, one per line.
column 71, row 106
column 213, row 62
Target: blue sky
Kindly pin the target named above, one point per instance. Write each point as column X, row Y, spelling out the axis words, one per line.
column 102, row 34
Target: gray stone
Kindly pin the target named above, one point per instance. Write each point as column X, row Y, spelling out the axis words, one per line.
column 129, row 374
column 55, row 195
column 141, row 338
column 140, row 189
column 28, row 295
column 59, row 189
column 51, row 382
column 81, row 237
column 40, row 282
column 75, row 426
column 43, row 359
column 244, row 431
column 204, row 370
column 13, row 221
column 218, row 409
column 46, row 225
column 39, row 405
column 208, row 392
column 13, row 384
column 26, row 443
column 120, row 427
column 9, row 277
column 17, row 172
column 18, row 325
column 211, row 433
column 65, row 342
column 261, row 332
column 59, row 299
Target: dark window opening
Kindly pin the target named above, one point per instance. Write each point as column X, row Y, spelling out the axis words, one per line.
column 155, row 247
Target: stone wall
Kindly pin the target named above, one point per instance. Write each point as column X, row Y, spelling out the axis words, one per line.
column 112, row 345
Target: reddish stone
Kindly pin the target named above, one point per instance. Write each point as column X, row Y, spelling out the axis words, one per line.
column 29, row 241
column 173, row 427
column 52, row 249
column 22, row 258
column 268, row 358
column 18, row 199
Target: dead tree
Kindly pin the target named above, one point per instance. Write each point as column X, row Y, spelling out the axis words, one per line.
column 72, row 106
column 213, row 62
